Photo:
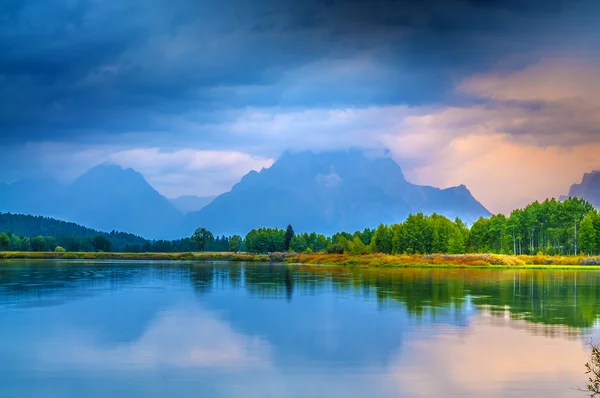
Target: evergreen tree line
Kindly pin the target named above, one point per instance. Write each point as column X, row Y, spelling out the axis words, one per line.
column 13, row 242
column 39, row 234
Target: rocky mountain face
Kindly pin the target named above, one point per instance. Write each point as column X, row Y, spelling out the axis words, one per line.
column 588, row 189
column 329, row 192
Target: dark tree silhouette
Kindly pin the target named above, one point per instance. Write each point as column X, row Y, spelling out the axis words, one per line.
column 289, row 235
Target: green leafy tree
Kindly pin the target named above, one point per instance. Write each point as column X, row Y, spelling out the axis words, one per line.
column 101, row 243
column 287, row 240
column 235, row 243
column 299, row 244
column 398, row 239
column 345, row 244
column 265, row 240
column 456, row 241
column 418, row 233
column 50, row 242
column 16, row 243
column 60, row 249
column 479, row 240
column 201, row 237
column 358, row 247
column 588, row 235
column 38, row 244
column 322, row 242
column 382, row 239
column 4, row 241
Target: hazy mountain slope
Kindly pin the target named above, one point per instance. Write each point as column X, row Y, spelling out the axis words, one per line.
column 39, row 197
column 328, row 192
column 588, row 189
column 189, row 203
column 324, row 192
column 106, row 197
column 109, row 197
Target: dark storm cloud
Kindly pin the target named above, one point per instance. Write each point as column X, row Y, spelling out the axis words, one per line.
column 84, row 70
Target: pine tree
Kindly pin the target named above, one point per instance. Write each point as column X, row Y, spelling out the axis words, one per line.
column 289, row 235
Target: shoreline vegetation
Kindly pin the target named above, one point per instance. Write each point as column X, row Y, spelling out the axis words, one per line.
column 376, row 260
column 551, row 234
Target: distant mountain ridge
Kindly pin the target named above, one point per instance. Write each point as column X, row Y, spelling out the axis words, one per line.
column 324, row 192
column 588, row 189
column 106, row 197
column 189, row 203
column 329, row 192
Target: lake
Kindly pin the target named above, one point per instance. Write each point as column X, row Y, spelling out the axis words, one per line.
column 156, row 329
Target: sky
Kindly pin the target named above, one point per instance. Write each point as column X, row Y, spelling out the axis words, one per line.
column 500, row 95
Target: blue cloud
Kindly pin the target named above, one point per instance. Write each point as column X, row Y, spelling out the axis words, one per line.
column 87, row 70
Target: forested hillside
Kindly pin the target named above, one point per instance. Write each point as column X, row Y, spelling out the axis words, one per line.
column 35, row 233
column 73, row 237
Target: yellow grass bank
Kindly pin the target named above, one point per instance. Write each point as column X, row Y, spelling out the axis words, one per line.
column 365, row 260
column 448, row 260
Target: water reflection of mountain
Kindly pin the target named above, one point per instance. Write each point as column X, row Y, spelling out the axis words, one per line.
column 570, row 298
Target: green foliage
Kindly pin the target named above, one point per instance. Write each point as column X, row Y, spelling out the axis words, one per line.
column 201, row 237
column 313, row 241
column 549, row 228
column 589, row 236
column 287, row 240
column 298, row 244
column 75, row 238
column 38, row 244
column 101, row 244
column 4, row 241
column 381, row 242
column 265, row 240
column 457, row 239
column 235, row 243
column 60, row 249
column 358, row 247
column 335, row 248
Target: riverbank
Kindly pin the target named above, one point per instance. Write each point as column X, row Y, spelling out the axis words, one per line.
column 200, row 256
column 447, row 260
column 366, row 260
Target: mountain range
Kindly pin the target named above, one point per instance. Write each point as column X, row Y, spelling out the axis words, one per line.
column 324, row 192
column 189, row 203
column 106, row 197
column 588, row 189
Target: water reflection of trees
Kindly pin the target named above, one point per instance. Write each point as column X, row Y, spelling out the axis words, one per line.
column 570, row 298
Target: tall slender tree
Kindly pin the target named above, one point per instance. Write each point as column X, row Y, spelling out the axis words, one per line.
column 289, row 235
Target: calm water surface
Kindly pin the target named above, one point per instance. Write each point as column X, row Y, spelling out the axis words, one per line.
column 151, row 329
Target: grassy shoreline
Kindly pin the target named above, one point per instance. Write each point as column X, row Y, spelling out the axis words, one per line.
column 449, row 261
column 496, row 261
column 187, row 256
